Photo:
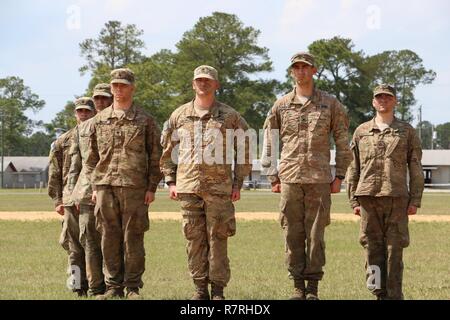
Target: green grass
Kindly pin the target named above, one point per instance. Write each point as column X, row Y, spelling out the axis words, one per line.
column 33, row 265
column 253, row 201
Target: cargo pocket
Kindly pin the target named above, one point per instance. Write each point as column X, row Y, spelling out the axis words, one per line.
column 226, row 229
column 98, row 219
column 141, row 221
column 193, row 227
column 63, row 239
column 403, row 234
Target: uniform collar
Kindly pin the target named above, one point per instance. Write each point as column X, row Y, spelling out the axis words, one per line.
column 292, row 96
column 214, row 111
column 395, row 125
column 130, row 114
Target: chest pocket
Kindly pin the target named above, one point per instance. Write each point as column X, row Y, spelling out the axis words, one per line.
column 289, row 120
column 134, row 137
column 319, row 120
column 366, row 147
column 213, row 132
column 397, row 148
column 104, row 137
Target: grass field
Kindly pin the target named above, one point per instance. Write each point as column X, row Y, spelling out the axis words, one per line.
column 251, row 201
column 32, row 264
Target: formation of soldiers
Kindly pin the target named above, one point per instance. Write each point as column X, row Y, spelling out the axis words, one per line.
column 104, row 174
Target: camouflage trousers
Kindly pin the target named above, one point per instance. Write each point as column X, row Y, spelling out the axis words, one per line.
column 304, row 214
column 208, row 221
column 383, row 234
column 70, row 238
column 84, row 246
column 122, row 219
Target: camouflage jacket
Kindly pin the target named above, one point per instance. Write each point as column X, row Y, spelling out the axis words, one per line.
column 58, row 171
column 380, row 163
column 304, row 132
column 79, row 182
column 187, row 141
column 124, row 152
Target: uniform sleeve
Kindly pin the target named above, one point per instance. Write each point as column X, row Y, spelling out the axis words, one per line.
column 416, row 180
column 242, row 142
column 353, row 173
column 154, row 155
column 271, row 145
column 339, row 124
column 75, row 163
column 55, row 179
column 169, row 140
column 92, row 155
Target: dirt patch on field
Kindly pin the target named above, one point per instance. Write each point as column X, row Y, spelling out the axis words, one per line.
column 47, row 215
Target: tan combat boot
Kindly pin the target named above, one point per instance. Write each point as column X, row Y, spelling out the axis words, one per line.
column 201, row 290
column 217, row 292
column 312, row 290
column 110, row 294
column 133, row 294
column 299, row 290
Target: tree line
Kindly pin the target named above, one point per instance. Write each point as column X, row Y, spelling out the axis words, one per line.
column 223, row 41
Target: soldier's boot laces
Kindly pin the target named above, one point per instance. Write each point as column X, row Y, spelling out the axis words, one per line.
column 312, row 290
column 110, row 294
column 201, row 291
column 299, row 290
column 133, row 294
column 217, row 292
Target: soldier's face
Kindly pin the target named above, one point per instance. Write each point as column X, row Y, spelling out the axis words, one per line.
column 384, row 103
column 83, row 115
column 303, row 73
column 205, row 86
column 122, row 92
column 102, row 102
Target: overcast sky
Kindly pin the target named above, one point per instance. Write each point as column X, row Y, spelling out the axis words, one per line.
column 40, row 37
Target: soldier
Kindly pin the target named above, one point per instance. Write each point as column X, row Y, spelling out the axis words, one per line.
column 304, row 120
column 102, row 96
column 206, row 189
column 123, row 162
column 385, row 149
column 58, row 190
column 81, row 193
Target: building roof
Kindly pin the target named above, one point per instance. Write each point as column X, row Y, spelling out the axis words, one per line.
column 26, row 164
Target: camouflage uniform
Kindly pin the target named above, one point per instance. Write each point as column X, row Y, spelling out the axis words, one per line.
column 377, row 182
column 204, row 189
column 304, row 173
column 58, row 190
column 81, row 194
column 123, row 162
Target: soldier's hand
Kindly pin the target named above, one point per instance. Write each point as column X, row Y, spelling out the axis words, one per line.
column 412, row 210
column 94, row 197
column 77, row 205
column 149, row 197
column 357, row 211
column 173, row 192
column 276, row 187
column 235, row 194
column 60, row 209
column 336, row 185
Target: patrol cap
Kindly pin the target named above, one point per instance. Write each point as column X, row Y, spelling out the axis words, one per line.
column 304, row 57
column 84, row 103
column 386, row 89
column 102, row 89
column 206, row 72
column 122, row 75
